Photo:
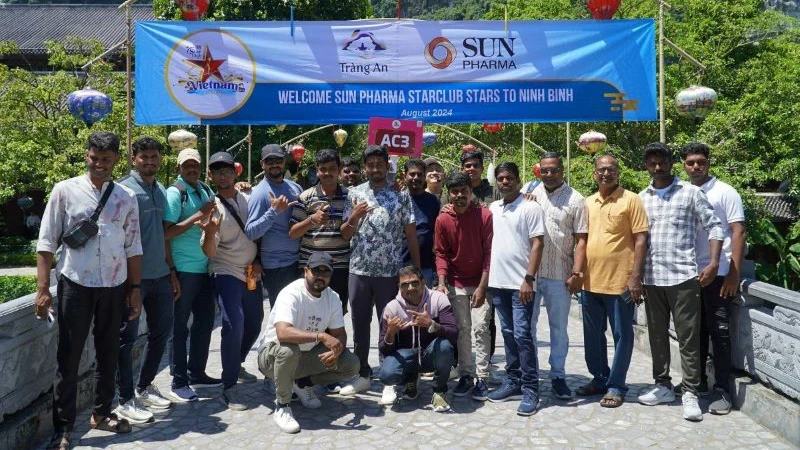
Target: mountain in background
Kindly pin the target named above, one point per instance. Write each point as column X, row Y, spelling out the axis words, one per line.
column 433, row 9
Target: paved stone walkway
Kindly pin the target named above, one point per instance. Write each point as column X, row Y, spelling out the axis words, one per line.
column 360, row 422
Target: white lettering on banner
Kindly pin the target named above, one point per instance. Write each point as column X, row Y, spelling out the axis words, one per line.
column 293, row 97
column 532, row 95
column 559, row 95
column 430, row 97
column 435, row 96
column 345, row 97
column 483, row 95
column 382, row 96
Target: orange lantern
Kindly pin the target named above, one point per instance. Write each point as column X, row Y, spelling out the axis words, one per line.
column 468, row 148
column 603, row 9
column 492, row 127
column 537, row 171
column 297, row 152
column 193, row 9
column 238, row 168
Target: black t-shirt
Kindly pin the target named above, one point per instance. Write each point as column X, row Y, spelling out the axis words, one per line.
column 426, row 208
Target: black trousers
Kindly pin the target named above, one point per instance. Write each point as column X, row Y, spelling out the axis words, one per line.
column 716, row 313
column 78, row 306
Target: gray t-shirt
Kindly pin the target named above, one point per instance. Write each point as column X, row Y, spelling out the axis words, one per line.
column 234, row 250
column 152, row 201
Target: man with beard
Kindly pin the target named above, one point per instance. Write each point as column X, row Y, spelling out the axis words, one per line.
column 376, row 218
column 350, row 174
column 98, row 273
column 317, row 219
column 482, row 191
column 188, row 201
column 676, row 211
column 426, row 208
column 160, row 288
column 463, row 247
column 268, row 213
column 232, row 260
column 305, row 339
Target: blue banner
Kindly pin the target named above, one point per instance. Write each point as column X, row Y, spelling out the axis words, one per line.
column 268, row 73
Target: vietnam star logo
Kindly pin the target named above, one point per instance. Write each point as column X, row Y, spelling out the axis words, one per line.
column 210, row 73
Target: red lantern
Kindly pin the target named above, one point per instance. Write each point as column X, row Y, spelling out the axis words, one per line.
column 537, row 171
column 238, row 168
column 492, row 127
column 193, row 9
column 297, row 153
column 603, row 9
column 468, row 148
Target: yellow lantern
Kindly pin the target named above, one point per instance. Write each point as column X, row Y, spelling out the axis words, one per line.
column 340, row 136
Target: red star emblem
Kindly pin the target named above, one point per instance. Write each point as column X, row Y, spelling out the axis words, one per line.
column 209, row 65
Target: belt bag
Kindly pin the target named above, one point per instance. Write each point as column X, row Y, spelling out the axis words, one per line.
column 81, row 232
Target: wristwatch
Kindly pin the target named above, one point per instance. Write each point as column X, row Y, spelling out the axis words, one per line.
column 530, row 278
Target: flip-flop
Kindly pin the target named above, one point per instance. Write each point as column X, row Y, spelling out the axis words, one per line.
column 587, row 390
column 612, row 400
column 60, row 441
column 113, row 424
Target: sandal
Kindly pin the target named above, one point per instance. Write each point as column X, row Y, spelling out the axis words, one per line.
column 587, row 390
column 612, row 400
column 60, row 441
column 111, row 423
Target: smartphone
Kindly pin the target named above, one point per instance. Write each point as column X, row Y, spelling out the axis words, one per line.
column 626, row 296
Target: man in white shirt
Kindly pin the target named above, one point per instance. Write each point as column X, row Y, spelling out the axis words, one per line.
column 305, row 340
column 717, row 296
column 516, row 253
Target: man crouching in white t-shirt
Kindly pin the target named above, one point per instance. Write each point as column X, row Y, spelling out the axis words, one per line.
column 304, row 343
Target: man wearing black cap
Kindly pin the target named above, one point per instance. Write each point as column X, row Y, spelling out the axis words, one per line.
column 268, row 214
column 232, row 260
column 304, row 343
column 376, row 218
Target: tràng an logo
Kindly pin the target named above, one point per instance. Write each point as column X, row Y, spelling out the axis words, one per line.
column 210, row 73
column 363, row 44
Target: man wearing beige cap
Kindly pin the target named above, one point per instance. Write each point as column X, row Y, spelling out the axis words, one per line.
column 189, row 200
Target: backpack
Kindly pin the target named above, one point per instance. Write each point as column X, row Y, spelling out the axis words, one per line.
column 182, row 188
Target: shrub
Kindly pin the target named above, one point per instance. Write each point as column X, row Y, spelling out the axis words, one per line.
column 12, row 287
column 17, row 259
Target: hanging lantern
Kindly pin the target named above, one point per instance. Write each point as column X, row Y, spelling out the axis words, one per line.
column 340, row 136
column 281, row 127
column 238, row 168
column 490, row 174
column 25, row 202
column 537, row 170
column 592, row 141
column 468, row 148
column 428, row 138
column 492, row 127
column 695, row 101
column 602, row 9
column 181, row 139
column 193, row 9
column 297, row 152
column 89, row 105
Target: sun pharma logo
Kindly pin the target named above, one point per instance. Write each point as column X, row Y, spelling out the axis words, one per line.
column 431, row 51
column 363, row 44
column 210, row 73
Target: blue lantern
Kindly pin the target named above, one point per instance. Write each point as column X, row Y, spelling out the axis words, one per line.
column 428, row 138
column 89, row 105
column 25, row 202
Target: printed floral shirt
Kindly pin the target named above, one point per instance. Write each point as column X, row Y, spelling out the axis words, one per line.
column 377, row 245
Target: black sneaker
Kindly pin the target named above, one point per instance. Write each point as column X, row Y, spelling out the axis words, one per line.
column 412, row 390
column 205, row 381
column 465, row 384
column 561, row 390
column 720, row 403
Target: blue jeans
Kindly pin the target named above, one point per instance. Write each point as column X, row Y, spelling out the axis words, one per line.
column 557, row 300
column 522, row 363
column 158, row 303
column 242, row 313
column 596, row 309
column 276, row 279
column 404, row 365
column 197, row 300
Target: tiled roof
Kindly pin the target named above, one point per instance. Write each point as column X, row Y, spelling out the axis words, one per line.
column 30, row 25
column 780, row 206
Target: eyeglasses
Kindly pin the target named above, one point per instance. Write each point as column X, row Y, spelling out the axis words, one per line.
column 226, row 172
column 407, row 284
column 321, row 271
column 551, row 170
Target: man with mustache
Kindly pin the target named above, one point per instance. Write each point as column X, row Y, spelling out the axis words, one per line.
column 434, row 179
column 350, row 174
column 305, row 341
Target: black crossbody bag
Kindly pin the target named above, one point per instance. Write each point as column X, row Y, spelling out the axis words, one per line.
column 81, row 232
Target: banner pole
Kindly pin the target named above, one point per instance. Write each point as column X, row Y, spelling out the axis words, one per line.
column 568, row 152
column 208, row 147
column 524, row 165
column 249, row 153
column 662, row 124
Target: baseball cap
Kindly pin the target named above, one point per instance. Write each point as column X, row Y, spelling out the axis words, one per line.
column 220, row 158
column 272, row 150
column 188, row 154
column 320, row 259
column 431, row 161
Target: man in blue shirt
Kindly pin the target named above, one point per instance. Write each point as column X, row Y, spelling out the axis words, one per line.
column 268, row 214
column 188, row 201
column 160, row 287
column 426, row 208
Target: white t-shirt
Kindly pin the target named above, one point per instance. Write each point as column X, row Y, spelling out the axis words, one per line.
column 295, row 305
column 728, row 208
column 514, row 225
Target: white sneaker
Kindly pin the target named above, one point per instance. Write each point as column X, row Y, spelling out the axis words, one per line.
column 691, row 410
column 285, row 420
column 360, row 384
column 657, row 394
column 389, row 395
column 307, row 396
column 151, row 397
column 134, row 412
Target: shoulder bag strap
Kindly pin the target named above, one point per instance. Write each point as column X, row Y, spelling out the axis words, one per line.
column 233, row 212
column 103, row 200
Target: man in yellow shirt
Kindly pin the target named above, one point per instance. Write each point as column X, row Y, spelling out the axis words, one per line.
column 615, row 253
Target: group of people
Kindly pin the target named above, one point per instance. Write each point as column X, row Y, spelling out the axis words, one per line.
column 434, row 260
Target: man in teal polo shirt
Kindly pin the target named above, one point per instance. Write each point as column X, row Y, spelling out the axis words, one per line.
column 188, row 201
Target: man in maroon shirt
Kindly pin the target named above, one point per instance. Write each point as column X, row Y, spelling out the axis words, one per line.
column 463, row 245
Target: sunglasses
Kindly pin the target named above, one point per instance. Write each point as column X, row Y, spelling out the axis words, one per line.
column 321, row 271
column 551, row 170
